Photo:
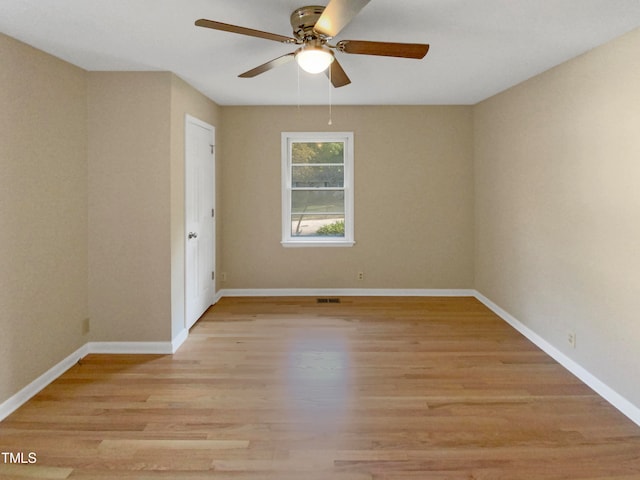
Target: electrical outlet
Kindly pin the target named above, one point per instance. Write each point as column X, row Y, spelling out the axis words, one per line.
column 360, row 275
column 86, row 326
column 223, row 276
column 571, row 339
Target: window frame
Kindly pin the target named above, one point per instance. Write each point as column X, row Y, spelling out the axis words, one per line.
column 288, row 138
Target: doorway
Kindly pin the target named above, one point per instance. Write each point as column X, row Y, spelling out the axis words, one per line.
column 199, row 218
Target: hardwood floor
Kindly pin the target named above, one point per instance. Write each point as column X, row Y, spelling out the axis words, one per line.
column 367, row 389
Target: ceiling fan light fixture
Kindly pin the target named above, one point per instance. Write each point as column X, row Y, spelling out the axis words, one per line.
column 314, row 59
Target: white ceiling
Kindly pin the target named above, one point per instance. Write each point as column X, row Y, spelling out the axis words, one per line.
column 478, row 47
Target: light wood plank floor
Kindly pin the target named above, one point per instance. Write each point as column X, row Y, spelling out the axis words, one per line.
column 368, row 389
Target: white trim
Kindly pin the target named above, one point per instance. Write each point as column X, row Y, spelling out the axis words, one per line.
column 218, row 296
column 177, row 342
column 23, row 396
column 605, row 391
column 133, row 348
column 316, row 243
column 16, row 401
column 345, row 292
column 287, row 138
column 197, row 121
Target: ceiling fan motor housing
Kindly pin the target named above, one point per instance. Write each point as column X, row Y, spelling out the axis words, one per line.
column 304, row 19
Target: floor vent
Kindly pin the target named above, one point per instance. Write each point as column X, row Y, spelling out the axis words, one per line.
column 328, row 300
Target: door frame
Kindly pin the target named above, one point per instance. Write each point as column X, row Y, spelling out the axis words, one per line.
column 193, row 121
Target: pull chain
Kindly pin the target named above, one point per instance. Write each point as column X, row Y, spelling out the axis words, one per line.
column 298, row 70
column 330, row 95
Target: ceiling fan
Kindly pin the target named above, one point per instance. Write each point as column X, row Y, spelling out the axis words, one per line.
column 313, row 27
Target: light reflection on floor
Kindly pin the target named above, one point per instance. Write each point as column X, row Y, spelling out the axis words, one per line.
column 319, row 377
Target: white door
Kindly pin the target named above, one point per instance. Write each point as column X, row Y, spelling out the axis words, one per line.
column 199, row 218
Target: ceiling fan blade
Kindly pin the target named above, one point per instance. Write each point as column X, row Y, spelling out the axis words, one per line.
column 203, row 22
column 337, row 15
column 276, row 62
column 387, row 49
column 337, row 75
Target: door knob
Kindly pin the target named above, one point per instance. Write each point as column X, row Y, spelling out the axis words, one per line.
column 192, row 235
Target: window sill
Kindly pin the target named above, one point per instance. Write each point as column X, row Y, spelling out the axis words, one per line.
column 317, row 243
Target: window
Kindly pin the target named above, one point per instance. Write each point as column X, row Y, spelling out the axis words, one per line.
column 317, row 189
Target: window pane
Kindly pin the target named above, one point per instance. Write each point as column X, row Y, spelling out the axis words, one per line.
column 317, row 225
column 304, row 176
column 321, row 152
column 317, row 194
column 310, row 201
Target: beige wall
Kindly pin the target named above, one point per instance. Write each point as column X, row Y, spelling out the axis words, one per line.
column 185, row 100
column 129, row 126
column 557, row 178
column 92, row 204
column 413, row 199
column 43, row 213
column 136, row 192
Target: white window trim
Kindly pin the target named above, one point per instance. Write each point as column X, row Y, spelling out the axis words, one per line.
column 287, row 239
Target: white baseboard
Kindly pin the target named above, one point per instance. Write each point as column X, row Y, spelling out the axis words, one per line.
column 16, row 401
column 132, row 348
column 179, row 340
column 217, row 297
column 610, row 395
column 346, row 292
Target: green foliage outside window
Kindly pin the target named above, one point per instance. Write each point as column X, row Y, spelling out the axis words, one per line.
column 321, row 152
column 333, row 229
